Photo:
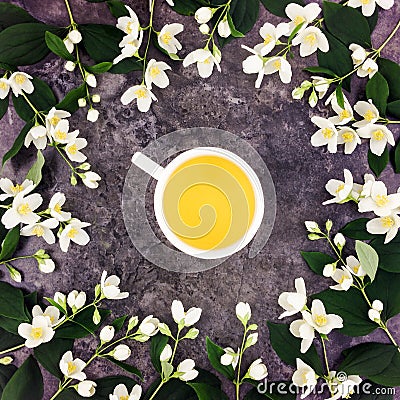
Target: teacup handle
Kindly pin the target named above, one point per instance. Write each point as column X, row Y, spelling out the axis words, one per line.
column 147, row 165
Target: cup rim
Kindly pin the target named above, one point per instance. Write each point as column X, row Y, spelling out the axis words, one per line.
column 258, row 194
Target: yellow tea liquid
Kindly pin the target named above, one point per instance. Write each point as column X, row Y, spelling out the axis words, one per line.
column 209, row 202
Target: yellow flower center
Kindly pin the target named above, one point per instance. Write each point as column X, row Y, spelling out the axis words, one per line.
column 20, row 79
column 123, row 397
column 370, row 70
column 207, row 61
column 277, row 64
column 129, row 29
column 345, row 114
column 154, row 71
column 268, row 39
column 365, row 2
column 54, row 121
column 342, row 279
column 369, row 115
column 36, row 333
column 356, row 269
column 141, row 93
column 72, row 149
column 38, row 231
column 3, row 85
column 299, row 20
column 321, row 320
column 339, row 188
column 327, row 133
column 311, row 39
column 72, row 233
column 17, row 188
column 71, row 367
column 57, row 208
column 387, row 222
column 166, row 37
column 51, row 317
column 60, row 135
column 378, row 135
column 382, row 200
column 24, row 209
column 348, row 137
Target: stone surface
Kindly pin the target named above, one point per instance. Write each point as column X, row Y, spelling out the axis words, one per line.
column 278, row 127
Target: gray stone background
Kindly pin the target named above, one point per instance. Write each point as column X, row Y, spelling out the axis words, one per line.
column 278, row 127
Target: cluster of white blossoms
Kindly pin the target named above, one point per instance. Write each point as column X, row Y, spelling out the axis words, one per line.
column 154, row 71
column 257, row 370
column 368, row 6
column 22, row 211
column 19, row 83
column 308, row 36
column 371, row 196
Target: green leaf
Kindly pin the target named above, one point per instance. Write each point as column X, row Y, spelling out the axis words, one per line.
column 378, row 362
column 389, row 254
column 42, row 98
column 320, row 70
column 26, row 383
column 391, row 72
column 373, row 20
column 35, row 172
column 10, row 324
column 117, row 8
column 3, row 106
column 317, row 260
column 378, row 163
column 234, row 32
column 9, row 340
column 10, row 243
column 273, row 391
column 6, row 372
column 244, row 14
column 12, row 302
column 158, row 342
column 352, row 307
column 357, row 229
column 13, row 15
column 393, row 108
column 214, row 353
column 277, row 7
column 368, row 258
column 207, row 392
column 288, row 347
column 339, row 96
column 99, row 68
column 174, row 389
column 185, row 7
column 337, row 59
column 377, row 89
column 30, row 300
column 119, row 323
column 56, row 305
column 19, row 141
column 126, row 367
column 70, row 101
column 126, row 66
column 49, row 354
column 368, row 390
column 24, row 44
column 359, row 33
column 397, row 158
column 57, row 46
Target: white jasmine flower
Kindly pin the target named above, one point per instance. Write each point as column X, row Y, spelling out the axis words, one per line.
column 56, row 205
column 302, row 15
column 110, row 287
column 230, row 357
column 46, row 265
column 167, row 39
column 22, row 210
column 304, row 377
column 121, row 393
column 359, row 54
column 379, row 136
column 354, row 266
column 130, row 25
column 326, row 135
column 344, row 389
column 254, row 64
column 142, row 94
column 41, row 229
column 243, row 312
column 76, row 299
column 130, row 45
column 257, row 370
column 86, row 388
column 186, row 370
column 349, row 137
column 149, row 326
column 203, row 15
column 36, row 333
column 224, row 29
column 321, row 321
column 37, row 135
column 293, row 302
column 368, row 68
column 204, row 29
column 388, row 226
column 54, row 117
column 91, row 179
column 122, row 352
column 339, row 189
column 107, row 334
column 72, row 368
column 310, row 40
column 343, row 278
column 73, row 231
column 280, row 65
column 51, row 313
column 368, row 111
column 92, row 115
column 301, row 329
column 73, row 147
column 20, row 83
column 368, row 6
column 11, row 190
column 321, row 85
column 343, row 116
column 155, row 73
column 61, row 134
column 181, row 317
column 205, row 61
column 271, row 34
column 166, row 354
column 4, row 88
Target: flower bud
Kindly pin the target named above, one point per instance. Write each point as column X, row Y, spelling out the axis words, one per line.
column 69, row 66
column 329, row 270
column 377, row 305
column 75, row 36
column 6, row 360
column 76, row 299
column 374, row 315
column 192, row 334
column 121, row 352
column 91, row 80
column 204, row 29
column 47, row 266
column 298, row 93
column 224, row 29
column 339, row 240
column 313, row 99
column 243, row 312
column 86, row 388
column 166, row 354
column 133, row 321
column 60, row 299
column 92, row 115
column 69, row 45
column 312, row 226
column 257, row 370
column 107, row 334
column 203, row 15
column 251, row 340
column 96, row 98
column 82, row 102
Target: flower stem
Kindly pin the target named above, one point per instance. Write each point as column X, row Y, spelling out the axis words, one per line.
column 12, row 349
column 33, row 107
column 148, row 39
column 238, row 381
column 157, row 390
column 71, row 18
column 225, row 8
column 65, row 159
column 16, row 258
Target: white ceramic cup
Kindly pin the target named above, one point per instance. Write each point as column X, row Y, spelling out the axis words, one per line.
column 162, row 175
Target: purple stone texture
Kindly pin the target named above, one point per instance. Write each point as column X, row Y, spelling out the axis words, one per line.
column 274, row 124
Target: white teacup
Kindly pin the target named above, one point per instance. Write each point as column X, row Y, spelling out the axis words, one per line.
column 162, row 175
